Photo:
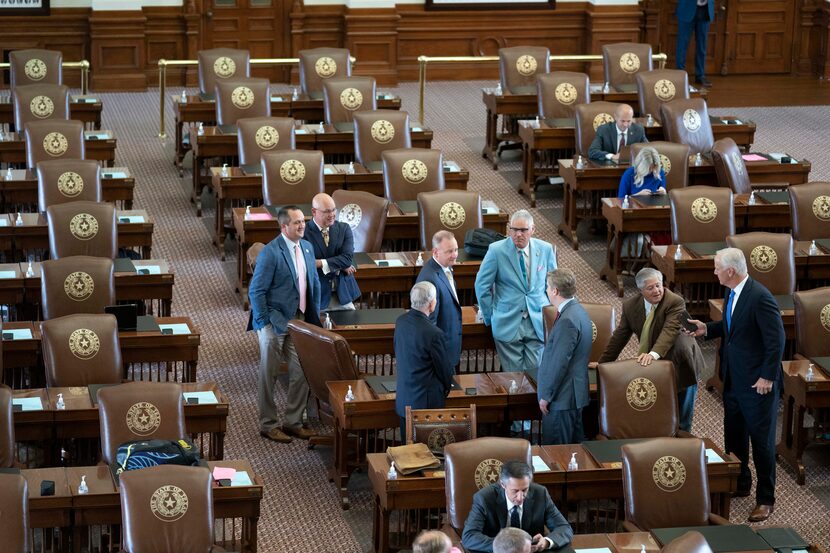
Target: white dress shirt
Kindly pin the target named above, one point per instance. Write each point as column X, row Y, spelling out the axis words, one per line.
column 617, row 143
column 325, row 263
column 738, row 289
column 510, row 505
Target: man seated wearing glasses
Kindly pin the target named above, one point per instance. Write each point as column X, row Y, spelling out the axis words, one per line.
column 333, row 243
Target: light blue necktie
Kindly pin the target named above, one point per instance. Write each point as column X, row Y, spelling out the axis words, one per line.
column 522, row 265
column 729, row 310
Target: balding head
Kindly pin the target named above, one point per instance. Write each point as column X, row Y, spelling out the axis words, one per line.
column 323, row 210
column 623, row 115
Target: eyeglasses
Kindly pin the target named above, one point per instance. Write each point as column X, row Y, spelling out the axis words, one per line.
column 519, row 229
column 327, row 211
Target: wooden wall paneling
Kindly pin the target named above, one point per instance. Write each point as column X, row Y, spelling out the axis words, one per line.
column 806, row 26
column 164, row 38
column 372, row 38
column 119, row 52
column 820, row 41
column 607, row 25
column 320, row 26
column 760, row 36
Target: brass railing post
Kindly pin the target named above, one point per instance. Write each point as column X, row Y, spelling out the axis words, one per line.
column 422, row 87
column 162, row 86
column 84, row 77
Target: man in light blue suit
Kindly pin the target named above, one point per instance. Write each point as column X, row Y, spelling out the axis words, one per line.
column 510, row 287
column 694, row 16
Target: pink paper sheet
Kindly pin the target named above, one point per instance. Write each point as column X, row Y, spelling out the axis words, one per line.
column 753, row 157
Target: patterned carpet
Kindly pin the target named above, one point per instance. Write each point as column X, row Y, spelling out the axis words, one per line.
column 301, row 510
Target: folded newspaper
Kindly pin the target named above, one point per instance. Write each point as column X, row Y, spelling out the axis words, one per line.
column 412, row 458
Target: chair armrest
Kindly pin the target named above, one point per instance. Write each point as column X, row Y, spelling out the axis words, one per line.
column 769, row 185
column 684, row 434
column 629, row 526
column 717, row 520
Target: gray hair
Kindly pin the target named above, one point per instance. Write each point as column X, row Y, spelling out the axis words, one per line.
column 511, row 540
column 563, row 280
column 421, row 295
column 646, row 274
column 440, row 236
column 647, row 161
column 522, row 214
column 732, row 258
column 515, row 469
column 431, row 541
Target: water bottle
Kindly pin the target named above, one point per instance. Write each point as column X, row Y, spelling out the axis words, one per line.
column 350, row 170
column 813, row 248
column 183, row 99
column 392, row 474
column 678, row 253
column 698, row 159
column 810, row 374
column 420, row 261
column 83, row 489
column 224, row 169
column 247, row 212
column 349, row 394
column 572, row 464
column 201, row 129
column 19, row 221
column 60, row 403
column 514, row 388
column 649, row 120
column 327, row 322
column 580, row 163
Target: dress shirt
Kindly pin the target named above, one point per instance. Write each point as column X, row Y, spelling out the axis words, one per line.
column 702, row 2
column 617, row 143
column 649, row 307
column 292, row 251
column 526, row 257
column 738, row 289
column 564, row 303
column 325, row 263
column 510, row 506
column 448, row 274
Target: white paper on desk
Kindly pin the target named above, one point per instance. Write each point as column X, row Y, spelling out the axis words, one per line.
column 389, row 262
column 712, row 457
column 131, row 218
column 28, row 403
column 151, row 269
column 241, row 478
column 416, row 129
column 451, row 167
column 737, row 122
column 329, row 171
column 300, row 131
column 4, row 222
column 595, row 88
column 177, row 328
column 799, row 551
column 7, row 274
column 778, row 155
column 205, row 398
column 19, row 333
column 594, row 550
column 114, row 175
column 276, row 98
column 539, row 465
column 97, row 135
column 489, row 207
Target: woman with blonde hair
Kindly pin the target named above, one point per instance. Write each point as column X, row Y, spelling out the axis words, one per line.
column 645, row 176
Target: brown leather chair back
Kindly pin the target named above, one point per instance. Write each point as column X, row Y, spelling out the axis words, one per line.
column 603, row 323
column 35, row 66
column 343, row 97
column 655, row 88
column 560, row 91
column 35, row 102
column 318, row 65
column 167, row 508
column 77, row 284
column 622, row 61
column 257, row 135
column 686, row 121
column 438, row 427
column 730, row 167
column 810, row 210
column 770, row 258
column 454, row 210
column 409, row 171
column 674, row 159
column 519, row 66
column 238, row 98
column 690, row 542
column 812, row 322
column 53, row 139
column 377, row 131
column 588, row 118
column 292, row 176
column 82, row 228
column 7, row 442
column 549, row 315
column 139, row 411
column 67, row 180
column 637, row 401
column 14, row 506
column 474, row 464
column 79, row 350
column 366, row 214
column 665, row 483
column 701, row 214
column 221, row 64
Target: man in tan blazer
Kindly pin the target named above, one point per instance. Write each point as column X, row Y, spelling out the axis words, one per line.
column 661, row 338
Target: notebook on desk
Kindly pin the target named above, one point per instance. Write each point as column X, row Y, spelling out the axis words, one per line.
column 608, row 451
column 823, row 362
column 823, row 244
column 147, row 323
column 374, row 166
column 408, row 206
column 366, row 316
column 251, row 169
column 227, row 129
column 774, row 196
column 344, row 126
column 389, row 385
column 703, row 249
column 626, row 88
column 734, row 537
column 275, row 209
column 523, row 90
column 123, row 265
column 783, row 539
column 652, row 200
column 207, row 97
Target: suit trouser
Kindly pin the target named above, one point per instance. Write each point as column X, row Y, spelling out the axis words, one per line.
column 274, row 349
column 563, row 427
column 686, row 402
column 700, row 26
column 523, row 353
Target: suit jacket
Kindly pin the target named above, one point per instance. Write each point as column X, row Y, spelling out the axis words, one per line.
column 338, row 254
column 605, row 140
column 273, row 290
column 424, row 370
column 502, row 292
column 666, row 339
column 488, row 515
column 563, row 370
column 754, row 345
column 686, row 10
column 447, row 314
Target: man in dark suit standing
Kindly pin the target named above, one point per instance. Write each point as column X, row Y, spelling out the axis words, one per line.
column 751, row 348
column 694, row 16
column 611, row 138
column 424, row 371
column 438, row 271
column 517, row 502
column 655, row 317
column 563, row 370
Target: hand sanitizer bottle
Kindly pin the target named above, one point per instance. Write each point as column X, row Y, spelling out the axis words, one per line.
column 19, row 221
column 247, row 212
column 9, row 174
column 809, row 376
column 580, row 163
column 183, row 99
column 752, row 198
column 349, row 394
column 813, row 248
column 537, row 123
column 350, row 170
column 393, row 473
column 572, row 464
column 479, row 314
column 626, row 203
column 30, row 271
column 606, row 87
column 420, row 261
column 201, row 129
column 320, row 128
column 83, row 488
column 642, row 548
column 295, row 93
column 224, row 169
column 327, row 322
column 514, row 388
column 698, row 159
column 649, row 120
column 678, row 253
column 60, row 403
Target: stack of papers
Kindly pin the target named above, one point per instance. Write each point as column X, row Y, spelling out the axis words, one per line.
column 177, row 328
column 148, row 269
column 8, row 274
column 539, row 465
column 17, row 334
column 205, row 398
column 389, row 262
column 712, row 457
column 28, row 403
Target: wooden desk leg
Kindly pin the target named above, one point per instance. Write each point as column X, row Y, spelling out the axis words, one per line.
column 613, row 260
column 218, row 445
column 339, row 471
column 380, row 533
column 567, row 228
column 528, row 187
column 196, row 194
column 220, row 225
column 177, row 160
column 249, row 533
column 793, row 437
column 491, row 142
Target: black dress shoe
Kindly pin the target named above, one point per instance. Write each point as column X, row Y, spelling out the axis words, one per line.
column 704, row 82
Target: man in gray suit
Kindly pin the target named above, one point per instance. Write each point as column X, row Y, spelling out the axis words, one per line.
column 563, row 371
column 612, row 138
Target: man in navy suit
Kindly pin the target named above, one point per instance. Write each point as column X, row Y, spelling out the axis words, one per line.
column 333, row 243
column 438, row 271
column 694, row 16
column 751, row 349
column 284, row 287
column 612, row 137
column 563, row 371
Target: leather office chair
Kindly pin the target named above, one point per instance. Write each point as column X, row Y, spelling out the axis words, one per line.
column 317, row 65
column 79, row 350
column 35, row 66
column 167, row 508
column 701, row 214
column 589, row 117
column 68, row 180
column 82, row 228
column 810, row 210
column 257, row 135
column 637, row 401
column 77, row 284
column 690, row 542
column 653, row 473
column 655, row 88
column 439, row 427
column 221, row 64
column 519, row 66
column 14, row 505
column 139, row 411
column 366, row 214
column 36, row 102
column 686, row 121
column 812, row 322
column 474, row 464
column 292, row 176
column 559, row 92
column 7, row 441
column 343, row 97
column 621, row 61
column 603, row 323
column 770, row 259
column 674, row 159
column 238, row 98
column 731, row 168
column 377, row 131
column 454, row 210
column 53, row 139
column 409, row 171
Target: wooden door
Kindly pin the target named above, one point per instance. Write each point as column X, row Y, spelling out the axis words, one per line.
column 715, row 47
column 759, row 36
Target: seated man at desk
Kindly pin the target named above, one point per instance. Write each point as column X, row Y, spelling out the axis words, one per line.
column 612, row 138
column 515, row 501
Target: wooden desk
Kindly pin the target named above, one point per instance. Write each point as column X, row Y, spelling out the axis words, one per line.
column 20, row 193
column 86, row 109
column 13, row 147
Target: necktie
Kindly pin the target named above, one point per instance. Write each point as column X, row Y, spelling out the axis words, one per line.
column 622, row 143
column 645, row 335
column 299, row 264
column 448, row 272
column 325, row 232
column 729, row 309
column 515, row 521
column 522, row 264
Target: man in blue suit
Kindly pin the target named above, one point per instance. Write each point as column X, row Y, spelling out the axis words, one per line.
column 612, row 137
column 333, row 244
column 694, row 16
column 284, row 286
column 563, row 371
column 438, row 271
column 751, row 349
column 510, row 287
